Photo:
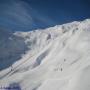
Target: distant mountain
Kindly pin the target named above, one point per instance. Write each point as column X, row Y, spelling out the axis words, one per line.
column 11, row 48
column 56, row 58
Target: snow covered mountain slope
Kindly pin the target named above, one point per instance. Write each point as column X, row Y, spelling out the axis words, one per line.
column 57, row 58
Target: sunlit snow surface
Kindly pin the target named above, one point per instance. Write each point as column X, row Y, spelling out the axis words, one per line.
column 57, row 58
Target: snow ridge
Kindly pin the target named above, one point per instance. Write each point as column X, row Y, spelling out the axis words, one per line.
column 57, row 58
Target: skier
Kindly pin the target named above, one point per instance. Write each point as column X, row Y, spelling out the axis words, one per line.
column 64, row 60
column 11, row 68
column 61, row 69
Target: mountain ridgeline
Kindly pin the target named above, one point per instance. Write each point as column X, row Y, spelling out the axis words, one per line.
column 56, row 58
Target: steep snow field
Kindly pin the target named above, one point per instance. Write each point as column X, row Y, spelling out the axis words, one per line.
column 57, row 58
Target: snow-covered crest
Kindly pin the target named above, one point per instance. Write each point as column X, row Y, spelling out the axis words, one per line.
column 57, row 58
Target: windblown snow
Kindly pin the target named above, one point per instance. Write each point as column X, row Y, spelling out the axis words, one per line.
column 56, row 58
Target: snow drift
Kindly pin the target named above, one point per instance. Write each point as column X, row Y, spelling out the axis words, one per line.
column 57, row 58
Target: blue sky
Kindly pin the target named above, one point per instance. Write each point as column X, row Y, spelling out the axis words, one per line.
column 33, row 14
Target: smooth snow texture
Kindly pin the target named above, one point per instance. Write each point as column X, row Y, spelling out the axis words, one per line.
column 57, row 58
